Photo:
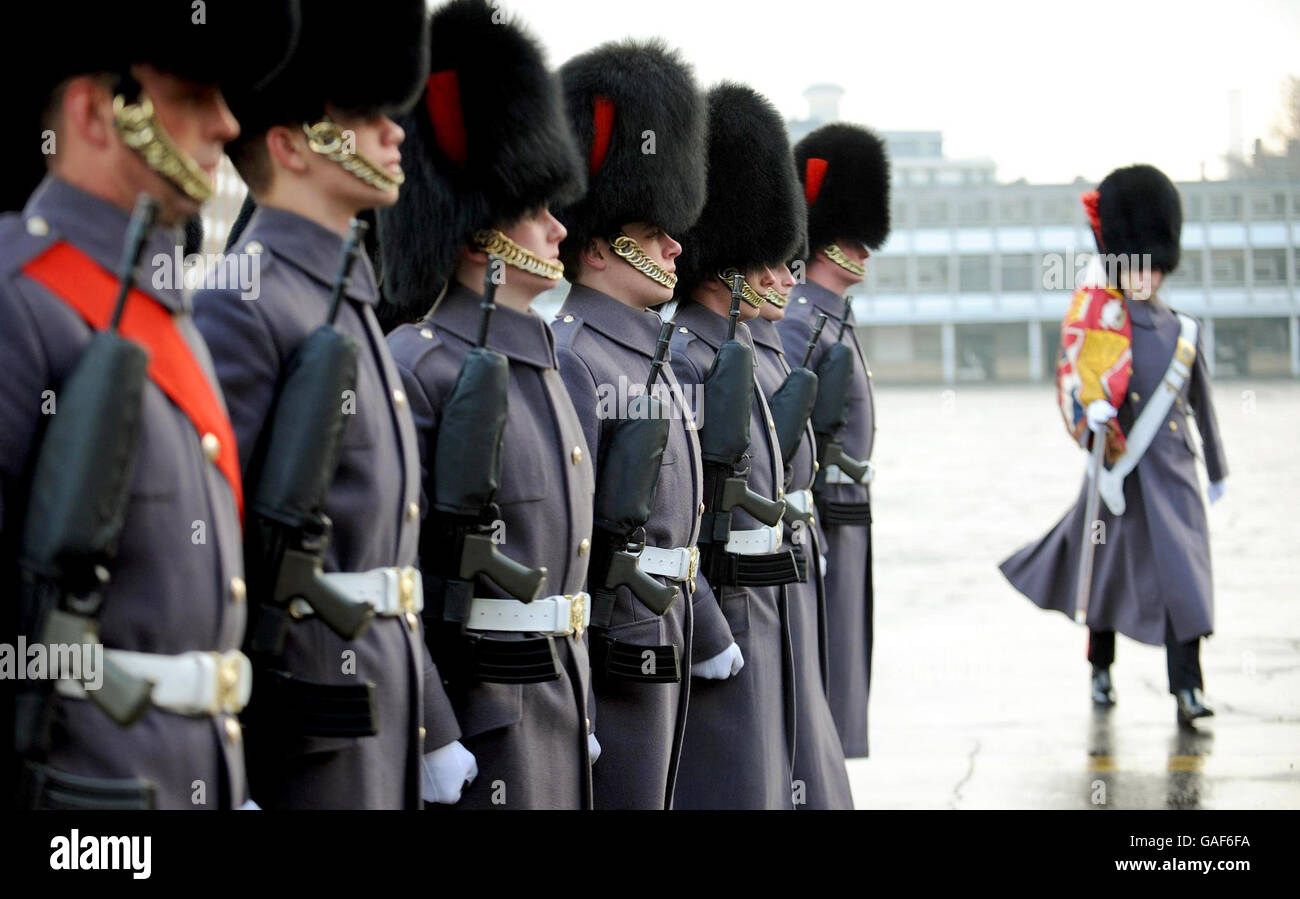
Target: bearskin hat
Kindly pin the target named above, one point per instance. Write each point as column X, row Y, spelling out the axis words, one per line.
column 844, row 170
column 1140, row 214
column 363, row 66
column 486, row 143
column 753, row 215
column 640, row 124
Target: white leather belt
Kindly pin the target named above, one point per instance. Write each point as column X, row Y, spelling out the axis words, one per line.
column 836, row 475
column 675, row 564
column 192, row 683
column 391, row 592
column 553, row 616
column 801, row 500
column 755, row 542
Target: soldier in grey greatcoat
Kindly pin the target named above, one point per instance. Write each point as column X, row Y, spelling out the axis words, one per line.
column 845, row 175
column 130, row 103
column 1151, row 578
column 339, row 720
column 606, row 336
column 489, row 150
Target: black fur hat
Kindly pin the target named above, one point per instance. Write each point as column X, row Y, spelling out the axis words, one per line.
column 753, row 215
column 198, row 45
column 362, row 65
column 486, row 143
column 844, row 170
column 1141, row 213
column 619, row 97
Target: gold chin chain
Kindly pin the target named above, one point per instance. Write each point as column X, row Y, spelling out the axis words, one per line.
column 776, row 299
column 326, row 138
column 747, row 293
column 628, row 249
column 494, row 243
column 836, row 255
column 143, row 133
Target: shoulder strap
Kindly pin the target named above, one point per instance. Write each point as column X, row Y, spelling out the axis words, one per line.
column 90, row 290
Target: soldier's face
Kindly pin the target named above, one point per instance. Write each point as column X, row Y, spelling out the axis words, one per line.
column 783, row 281
column 197, row 120
column 541, row 233
column 761, row 279
column 635, row 287
column 1142, row 284
column 377, row 138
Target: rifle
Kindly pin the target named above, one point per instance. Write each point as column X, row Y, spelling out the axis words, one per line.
column 77, row 508
column 830, row 413
column 456, row 542
column 792, row 405
column 629, row 478
column 290, row 531
column 724, row 435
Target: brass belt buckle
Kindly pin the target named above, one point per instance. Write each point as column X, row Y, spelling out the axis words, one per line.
column 693, row 566
column 577, row 613
column 228, row 669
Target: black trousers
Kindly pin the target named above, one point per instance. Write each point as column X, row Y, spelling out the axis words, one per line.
column 1183, row 660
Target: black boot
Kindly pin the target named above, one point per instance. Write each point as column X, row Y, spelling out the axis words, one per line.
column 1103, row 692
column 1191, row 705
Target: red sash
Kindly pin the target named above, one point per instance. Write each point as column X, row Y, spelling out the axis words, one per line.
column 91, row 290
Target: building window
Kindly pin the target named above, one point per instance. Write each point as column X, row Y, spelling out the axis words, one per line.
column 1188, row 273
column 1270, row 267
column 1015, row 211
column 1228, row 268
column 973, row 212
column 1017, row 272
column 975, row 274
column 932, row 274
column 1267, row 206
column 1192, row 208
column 898, row 213
column 1057, row 209
column 1225, row 207
column 930, row 213
column 891, row 273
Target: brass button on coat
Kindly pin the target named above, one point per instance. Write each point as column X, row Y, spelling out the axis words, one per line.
column 576, row 455
column 584, row 546
column 413, row 512
column 1173, row 426
column 399, row 398
column 37, row 226
column 211, row 446
column 232, row 730
column 238, row 589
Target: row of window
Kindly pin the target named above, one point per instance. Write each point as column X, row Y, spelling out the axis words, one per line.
column 1021, row 272
column 1065, row 208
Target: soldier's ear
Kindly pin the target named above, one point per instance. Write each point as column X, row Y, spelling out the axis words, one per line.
column 595, row 254
column 86, row 110
column 287, row 148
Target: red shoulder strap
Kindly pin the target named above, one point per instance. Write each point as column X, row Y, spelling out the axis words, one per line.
column 91, row 290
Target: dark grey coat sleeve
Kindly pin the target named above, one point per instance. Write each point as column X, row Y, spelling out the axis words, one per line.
column 1202, row 403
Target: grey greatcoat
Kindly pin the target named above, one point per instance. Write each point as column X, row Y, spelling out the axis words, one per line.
column 820, row 777
column 530, row 740
column 1154, row 566
column 736, row 753
column 849, row 596
column 605, row 349
column 373, row 504
column 169, row 593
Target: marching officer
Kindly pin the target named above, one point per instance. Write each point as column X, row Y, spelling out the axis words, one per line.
column 620, row 256
column 845, row 177
column 1151, row 577
column 739, row 733
column 508, row 518
column 132, row 105
column 342, row 714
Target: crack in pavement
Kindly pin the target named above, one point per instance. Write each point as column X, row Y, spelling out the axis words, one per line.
column 970, row 771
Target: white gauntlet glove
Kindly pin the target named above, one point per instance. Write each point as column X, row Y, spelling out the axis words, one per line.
column 1217, row 489
column 1099, row 413
column 722, row 666
column 593, row 748
column 445, row 772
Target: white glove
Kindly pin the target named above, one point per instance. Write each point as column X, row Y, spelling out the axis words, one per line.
column 825, row 565
column 1217, row 489
column 249, row 806
column 1099, row 412
column 593, row 748
column 722, row 666
column 445, row 772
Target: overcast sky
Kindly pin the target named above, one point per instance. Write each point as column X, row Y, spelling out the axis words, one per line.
column 1048, row 90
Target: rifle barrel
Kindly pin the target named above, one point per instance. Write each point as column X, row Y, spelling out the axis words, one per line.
column 356, row 234
column 142, row 219
column 488, row 306
column 822, row 318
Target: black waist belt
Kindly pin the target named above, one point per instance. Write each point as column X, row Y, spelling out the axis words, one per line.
column 44, row 787
column 835, row 514
column 291, row 705
column 530, row 661
column 725, row 569
column 634, row 661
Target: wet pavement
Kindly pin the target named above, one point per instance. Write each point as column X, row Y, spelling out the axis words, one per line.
column 981, row 700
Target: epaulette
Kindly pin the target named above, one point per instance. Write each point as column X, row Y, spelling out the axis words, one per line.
column 565, row 327
column 24, row 237
column 422, row 336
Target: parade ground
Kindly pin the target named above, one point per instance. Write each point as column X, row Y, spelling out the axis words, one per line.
column 981, row 700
